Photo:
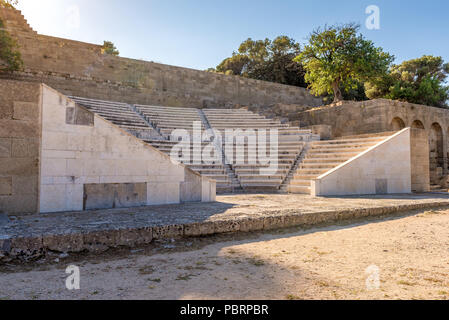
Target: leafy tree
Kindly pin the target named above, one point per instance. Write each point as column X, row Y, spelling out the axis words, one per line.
column 8, row 3
column 109, row 48
column 337, row 58
column 10, row 57
column 269, row 60
column 417, row 81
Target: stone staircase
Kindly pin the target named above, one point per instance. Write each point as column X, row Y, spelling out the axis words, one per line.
column 120, row 114
column 254, row 175
column 155, row 124
column 324, row 156
column 168, row 119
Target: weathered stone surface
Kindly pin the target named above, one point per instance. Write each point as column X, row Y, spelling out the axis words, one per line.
column 199, row 229
column 79, row 116
column 5, row 186
column 135, row 237
column 27, row 248
column 168, row 231
column 5, row 148
column 252, row 224
column 273, row 222
column 64, row 242
column 100, row 230
column 224, row 226
column 101, row 240
column 26, row 111
column 114, row 195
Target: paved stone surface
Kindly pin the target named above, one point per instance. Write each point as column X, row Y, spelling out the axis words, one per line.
column 29, row 237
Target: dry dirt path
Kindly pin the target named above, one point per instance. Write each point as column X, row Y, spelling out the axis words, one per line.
column 411, row 253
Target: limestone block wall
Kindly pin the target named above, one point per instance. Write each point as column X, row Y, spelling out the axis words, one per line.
column 89, row 163
column 375, row 171
column 20, row 132
column 80, row 69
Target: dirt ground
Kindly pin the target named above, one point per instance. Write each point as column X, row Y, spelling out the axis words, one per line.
column 410, row 253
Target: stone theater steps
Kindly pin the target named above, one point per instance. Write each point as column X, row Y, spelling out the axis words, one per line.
column 155, row 124
column 258, row 176
column 324, row 156
column 120, row 114
column 168, row 119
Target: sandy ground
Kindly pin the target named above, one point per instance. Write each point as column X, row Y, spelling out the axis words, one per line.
column 411, row 253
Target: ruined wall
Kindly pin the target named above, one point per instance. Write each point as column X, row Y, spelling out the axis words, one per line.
column 375, row 171
column 20, row 131
column 420, row 169
column 380, row 115
column 89, row 163
column 80, row 69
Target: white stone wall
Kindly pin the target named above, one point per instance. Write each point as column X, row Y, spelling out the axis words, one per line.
column 387, row 164
column 74, row 155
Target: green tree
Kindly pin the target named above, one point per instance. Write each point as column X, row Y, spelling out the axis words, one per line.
column 8, row 3
column 109, row 48
column 269, row 60
column 418, row 80
column 10, row 57
column 337, row 58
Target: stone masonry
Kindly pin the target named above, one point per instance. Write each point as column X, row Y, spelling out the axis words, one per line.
column 80, row 69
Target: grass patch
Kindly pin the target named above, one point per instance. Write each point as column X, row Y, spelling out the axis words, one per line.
column 146, row 270
column 292, row 297
column 185, row 277
column 256, row 262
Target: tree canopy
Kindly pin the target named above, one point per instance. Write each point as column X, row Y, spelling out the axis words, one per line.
column 269, row 60
column 109, row 48
column 10, row 57
column 8, row 3
column 337, row 58
column 417, row 81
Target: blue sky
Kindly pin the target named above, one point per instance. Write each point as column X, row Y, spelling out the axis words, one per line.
column 200, row 34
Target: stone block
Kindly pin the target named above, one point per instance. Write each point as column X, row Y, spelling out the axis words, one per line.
column 5, row 186
column 19, row 167
column 25, row 185
column 5, row 147
column 111, row 195
column 64, row 242
column 101, row 240
column 19, row 129
column 224, row 226
column 168, row 232
column 273, row 222
column 26, row 111
column 251, row 224
column 199, row 229
column 135, row 237
column 25, row 148
column 27, row 247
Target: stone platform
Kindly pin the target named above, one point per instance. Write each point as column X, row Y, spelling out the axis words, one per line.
column 31, row 237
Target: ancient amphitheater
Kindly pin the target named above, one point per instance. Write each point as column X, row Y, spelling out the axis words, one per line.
column 85, row 130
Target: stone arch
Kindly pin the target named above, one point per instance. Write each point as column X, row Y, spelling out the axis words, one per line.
column 436, row 149
column 397, row 124
column 417, row 124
